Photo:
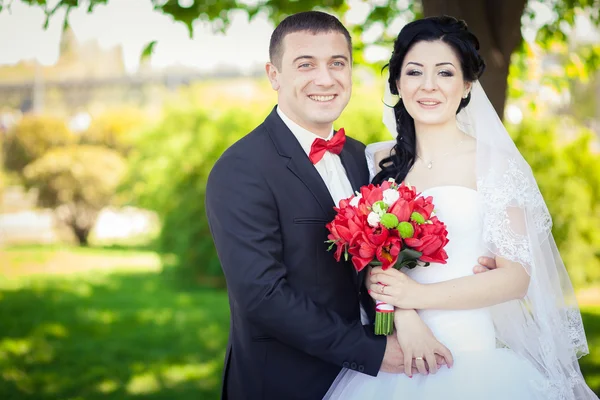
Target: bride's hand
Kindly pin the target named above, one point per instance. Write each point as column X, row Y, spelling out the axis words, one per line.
column 417, row 340
column 394, row 287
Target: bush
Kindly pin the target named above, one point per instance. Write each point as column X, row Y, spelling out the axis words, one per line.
column 168, row 172
column 78, row 181
column 566, row 169
column 114, row 129
column 32, row 137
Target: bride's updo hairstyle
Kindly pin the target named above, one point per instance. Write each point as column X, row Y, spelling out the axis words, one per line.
column 455, row 34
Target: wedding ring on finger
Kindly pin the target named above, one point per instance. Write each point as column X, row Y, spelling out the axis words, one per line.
column 419, row 358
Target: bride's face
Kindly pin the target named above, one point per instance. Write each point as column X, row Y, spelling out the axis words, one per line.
column 431, row 83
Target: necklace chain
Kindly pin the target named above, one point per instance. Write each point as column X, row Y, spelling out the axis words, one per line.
column 429, row 163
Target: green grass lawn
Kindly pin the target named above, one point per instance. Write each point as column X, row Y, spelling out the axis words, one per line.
column 123, row 333
column 108, row 335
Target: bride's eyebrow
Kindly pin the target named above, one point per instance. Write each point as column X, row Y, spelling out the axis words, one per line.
column 437, row 65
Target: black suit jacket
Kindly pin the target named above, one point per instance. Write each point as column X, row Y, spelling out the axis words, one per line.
column 294, row 310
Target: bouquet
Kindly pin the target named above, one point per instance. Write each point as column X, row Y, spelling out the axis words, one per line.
column 387, row 225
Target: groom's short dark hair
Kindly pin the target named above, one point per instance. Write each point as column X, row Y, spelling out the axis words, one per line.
column 312, row 21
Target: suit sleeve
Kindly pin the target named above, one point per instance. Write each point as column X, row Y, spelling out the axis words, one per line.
column 243, row 219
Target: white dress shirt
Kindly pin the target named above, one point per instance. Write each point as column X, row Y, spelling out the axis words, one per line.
column 329, row 167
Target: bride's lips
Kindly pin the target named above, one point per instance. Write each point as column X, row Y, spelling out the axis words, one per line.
column 428, row 103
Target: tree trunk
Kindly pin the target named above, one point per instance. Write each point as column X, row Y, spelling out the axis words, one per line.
column 81, row 234
column 497, row 25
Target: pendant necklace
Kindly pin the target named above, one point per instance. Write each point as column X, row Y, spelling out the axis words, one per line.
column 429, row 163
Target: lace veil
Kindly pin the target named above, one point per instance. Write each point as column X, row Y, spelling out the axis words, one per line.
column 545, row 327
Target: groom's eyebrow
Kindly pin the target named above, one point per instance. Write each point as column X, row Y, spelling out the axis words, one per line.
column 303, row 57
column 314, row 58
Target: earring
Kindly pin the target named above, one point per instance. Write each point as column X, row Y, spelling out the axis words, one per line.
column 466, row 95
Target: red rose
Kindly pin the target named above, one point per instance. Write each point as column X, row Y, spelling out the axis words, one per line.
column 362, row 252
column 371, row 194
column 430, row 239
column 424, row 206
column 388, row 252
column 401, row 209
column 406, row 193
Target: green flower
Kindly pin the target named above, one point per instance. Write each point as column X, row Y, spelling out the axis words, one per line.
column 406, row 230
column 380, row 208
column 418, row 218
column 390, row 221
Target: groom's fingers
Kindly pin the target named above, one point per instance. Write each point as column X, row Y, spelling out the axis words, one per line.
column 479, row 269
column 421, row 366
column 431, row 363
column 408, row 360
column 487, row 262
column 444, row 352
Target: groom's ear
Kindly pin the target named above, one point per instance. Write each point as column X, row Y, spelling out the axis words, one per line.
column 273, row 75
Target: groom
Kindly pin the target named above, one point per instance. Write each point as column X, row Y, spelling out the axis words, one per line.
column 295, row 319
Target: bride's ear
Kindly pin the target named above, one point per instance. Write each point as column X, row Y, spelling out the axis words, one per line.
column 468, row 87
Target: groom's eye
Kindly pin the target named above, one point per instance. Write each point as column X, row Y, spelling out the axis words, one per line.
column 338, row 64
column 304, row 65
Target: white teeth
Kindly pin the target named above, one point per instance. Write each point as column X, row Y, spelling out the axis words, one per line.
column 322, row 98
column 429, row 103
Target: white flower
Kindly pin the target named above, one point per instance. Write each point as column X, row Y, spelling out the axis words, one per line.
column 391, row 180
column 390, row 196
column 373, row 219
column 355, row 200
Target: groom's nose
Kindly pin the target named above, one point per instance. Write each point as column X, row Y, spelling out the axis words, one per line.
column 324, row 76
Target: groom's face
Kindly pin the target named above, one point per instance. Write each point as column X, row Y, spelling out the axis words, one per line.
column 314, row 80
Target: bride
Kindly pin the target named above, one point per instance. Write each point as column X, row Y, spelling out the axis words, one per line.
column 514, row 332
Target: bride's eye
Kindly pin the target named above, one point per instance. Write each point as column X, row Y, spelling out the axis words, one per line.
column 414, row 72
column 446, row 73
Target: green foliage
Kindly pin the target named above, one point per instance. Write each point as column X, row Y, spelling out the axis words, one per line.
column 32, row 137
column 114, row 129
column 79, row 181
column 566, row 169
column 170, row 165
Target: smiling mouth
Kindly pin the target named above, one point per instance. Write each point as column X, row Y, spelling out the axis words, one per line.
column 322, row 99
column 429, row 103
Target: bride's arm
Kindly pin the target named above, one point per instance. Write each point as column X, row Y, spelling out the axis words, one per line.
column 508, row 281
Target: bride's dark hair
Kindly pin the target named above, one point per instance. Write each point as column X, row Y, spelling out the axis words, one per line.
column 454, row 33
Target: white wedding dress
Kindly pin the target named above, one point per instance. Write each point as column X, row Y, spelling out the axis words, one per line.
column 481, row 370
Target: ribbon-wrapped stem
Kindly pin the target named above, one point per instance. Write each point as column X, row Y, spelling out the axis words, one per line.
column 384, row 318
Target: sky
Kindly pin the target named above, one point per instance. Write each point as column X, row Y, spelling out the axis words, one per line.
column 133, row 24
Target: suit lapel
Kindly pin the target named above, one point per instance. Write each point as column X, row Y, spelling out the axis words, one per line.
column 298, row 163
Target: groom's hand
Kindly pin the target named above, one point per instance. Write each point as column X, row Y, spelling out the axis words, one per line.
column 393, row 358
column 485, row 264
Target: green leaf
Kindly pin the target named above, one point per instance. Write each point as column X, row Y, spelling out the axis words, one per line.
column 148, row 50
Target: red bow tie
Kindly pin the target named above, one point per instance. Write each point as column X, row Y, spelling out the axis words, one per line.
column 320, row 146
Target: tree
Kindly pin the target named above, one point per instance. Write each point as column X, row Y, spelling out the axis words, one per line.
column 79, row 181
column 496, row 23
column 33, row 136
